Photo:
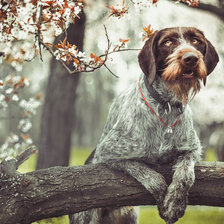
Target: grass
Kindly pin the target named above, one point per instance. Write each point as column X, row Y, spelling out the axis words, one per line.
column 79, row 156
column 59, row 220
column 210, row 155
column 148, row 214
column 29, row 165
column 193, row 215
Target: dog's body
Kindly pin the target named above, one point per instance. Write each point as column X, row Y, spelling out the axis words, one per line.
column 151, row 123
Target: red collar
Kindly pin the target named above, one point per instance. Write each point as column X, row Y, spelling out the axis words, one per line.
column 169, row 126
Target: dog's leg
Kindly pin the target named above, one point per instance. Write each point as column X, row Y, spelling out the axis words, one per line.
column 153, row 181
column 175, row 201
column 85, row 217
column 118, row 215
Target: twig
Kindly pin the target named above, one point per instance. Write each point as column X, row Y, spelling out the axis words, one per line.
column 25, row 155
column 88, row 67
column 132, row 2
column 39, row 32
column 4, row 4
column 121, row 50
column 52, row 53
column 110, row 71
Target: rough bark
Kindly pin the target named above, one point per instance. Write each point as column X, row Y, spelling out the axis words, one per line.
column 56, row 191
column 58, row 111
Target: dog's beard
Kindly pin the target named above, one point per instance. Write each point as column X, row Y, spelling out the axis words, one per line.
column 184, row 88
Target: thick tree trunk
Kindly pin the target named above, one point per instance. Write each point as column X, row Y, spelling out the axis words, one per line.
column 65, row 190
column 58, row 111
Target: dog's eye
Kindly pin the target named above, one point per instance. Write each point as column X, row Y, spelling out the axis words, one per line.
column 195, row 41
column 168, row 43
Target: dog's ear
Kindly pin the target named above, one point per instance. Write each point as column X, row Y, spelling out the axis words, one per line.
column 211, row 57
column 146, row 58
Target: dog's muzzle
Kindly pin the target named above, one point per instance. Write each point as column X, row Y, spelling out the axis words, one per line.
column 189, row 61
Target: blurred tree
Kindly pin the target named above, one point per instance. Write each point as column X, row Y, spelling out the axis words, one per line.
column 94, row 95
column 58, row 111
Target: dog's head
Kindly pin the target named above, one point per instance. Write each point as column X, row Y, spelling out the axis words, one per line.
column 182, row 56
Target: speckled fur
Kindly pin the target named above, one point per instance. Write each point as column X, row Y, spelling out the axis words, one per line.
column 134, row 136
column 132, row 133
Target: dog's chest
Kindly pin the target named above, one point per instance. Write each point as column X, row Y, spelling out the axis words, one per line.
column 162, row 144
column 164, row 151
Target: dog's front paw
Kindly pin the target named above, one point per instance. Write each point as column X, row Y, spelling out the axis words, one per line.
column 173, row 206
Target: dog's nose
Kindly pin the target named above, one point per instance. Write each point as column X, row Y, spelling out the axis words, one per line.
column 190, row 59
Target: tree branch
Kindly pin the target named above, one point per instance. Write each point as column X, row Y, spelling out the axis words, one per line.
column 56, row 191
column 25, row 155
column 219, row 12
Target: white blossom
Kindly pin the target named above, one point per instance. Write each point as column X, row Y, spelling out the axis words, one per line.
column 4, row 146
column 81, row 55
column 9, row 91
column 30, row 105
column 25, row 125
column 26, row 82
column 23, row 27
column 14, row 138
column 15, row 97
column 141, row 4
column 2, row 97
column 17, row 146
column 75, row 65
column 29, row 141
column 14, row 142
column 73, row 51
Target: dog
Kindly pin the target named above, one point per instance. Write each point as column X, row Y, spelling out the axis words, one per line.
column 151, row 123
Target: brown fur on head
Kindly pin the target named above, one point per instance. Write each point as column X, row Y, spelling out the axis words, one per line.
column 176, row 79
column 182, row 56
